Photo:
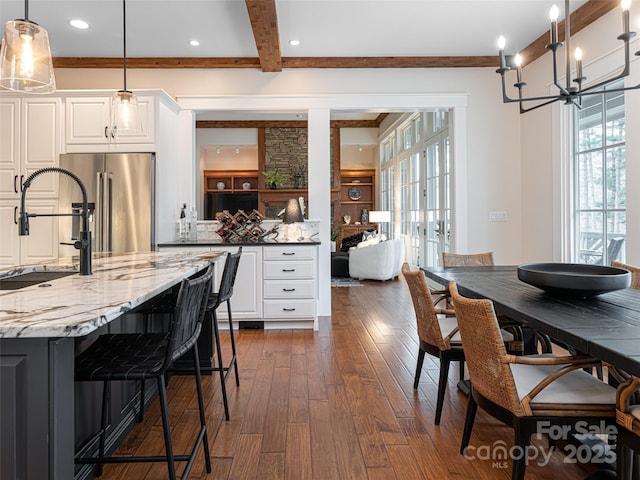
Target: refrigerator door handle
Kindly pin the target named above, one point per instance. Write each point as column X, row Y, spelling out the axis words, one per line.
column 99, row 212
column 108, row 214
column 103, row 208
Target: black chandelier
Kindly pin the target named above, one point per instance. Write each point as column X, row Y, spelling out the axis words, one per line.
column 570, row 94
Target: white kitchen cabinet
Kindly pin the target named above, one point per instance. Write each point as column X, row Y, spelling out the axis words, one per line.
column 88, row 122
column 290, row 285
column 42, row 242
column 30, row 139
column 246, row 302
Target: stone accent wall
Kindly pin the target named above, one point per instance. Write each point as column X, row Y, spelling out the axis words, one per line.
column 286, row 149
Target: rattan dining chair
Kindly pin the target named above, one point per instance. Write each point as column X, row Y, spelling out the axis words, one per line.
column 485, row 259
column 635, row 272
column 628, row 418
column 141, row 356
column 528, row 393
column 467, row 259
column 437, row 333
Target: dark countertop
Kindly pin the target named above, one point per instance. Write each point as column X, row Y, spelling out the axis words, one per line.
column 219, row 243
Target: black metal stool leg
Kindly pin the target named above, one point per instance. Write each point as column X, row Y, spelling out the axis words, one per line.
column 203, row 420
column 234, row 358
column 223, row 387
column 166, row 427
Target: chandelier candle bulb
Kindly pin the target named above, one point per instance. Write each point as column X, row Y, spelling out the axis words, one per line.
column 518, row 62
column 501, row 44
column 578, row 56
column 553, row 16
column 625, row 5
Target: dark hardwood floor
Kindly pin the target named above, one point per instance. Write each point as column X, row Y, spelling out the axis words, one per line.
column 334, row 404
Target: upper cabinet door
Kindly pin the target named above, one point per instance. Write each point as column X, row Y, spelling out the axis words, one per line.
column 40, row 143
column 9, row 147
column 89, row 122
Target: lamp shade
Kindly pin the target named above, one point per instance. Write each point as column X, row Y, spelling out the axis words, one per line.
column 25, row 58
column 380, row 216
column 292, row 212
column 126, row 116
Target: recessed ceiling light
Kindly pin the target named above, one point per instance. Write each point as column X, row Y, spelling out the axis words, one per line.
column 194, row 43
column 81, row 24
column 294, row 43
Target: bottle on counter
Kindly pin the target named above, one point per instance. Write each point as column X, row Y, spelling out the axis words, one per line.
column 193, row 224
column 183, row 233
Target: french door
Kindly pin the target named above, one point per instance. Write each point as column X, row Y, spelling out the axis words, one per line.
column 436, row 197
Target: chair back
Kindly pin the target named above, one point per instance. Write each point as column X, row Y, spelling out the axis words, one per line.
column 228, row 279
column 635, row 273
column 428, row 327
column 467, row 260
column 485, row 352
column 187, row 317
column 614, row 247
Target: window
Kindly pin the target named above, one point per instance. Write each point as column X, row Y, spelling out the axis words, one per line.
column 600, row 178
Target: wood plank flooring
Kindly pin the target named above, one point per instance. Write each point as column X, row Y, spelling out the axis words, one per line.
column 334, row 404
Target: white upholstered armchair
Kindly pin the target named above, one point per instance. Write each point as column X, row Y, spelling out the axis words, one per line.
column 381, row 261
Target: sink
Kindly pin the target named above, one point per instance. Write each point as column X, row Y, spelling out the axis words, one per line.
column 22, row 280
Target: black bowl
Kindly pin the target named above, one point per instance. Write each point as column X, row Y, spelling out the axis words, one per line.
column 574, row 279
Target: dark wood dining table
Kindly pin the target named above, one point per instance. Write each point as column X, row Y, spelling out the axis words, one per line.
column 606, row 327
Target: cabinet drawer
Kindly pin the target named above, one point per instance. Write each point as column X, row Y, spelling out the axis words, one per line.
column 289, row 253
column 288, row 270
column 287, row 289
column 289, row 308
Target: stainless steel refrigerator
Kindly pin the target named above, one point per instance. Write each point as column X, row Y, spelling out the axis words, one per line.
column 121, row 194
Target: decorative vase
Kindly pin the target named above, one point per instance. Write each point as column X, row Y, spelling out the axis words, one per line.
column 220, row 185
column 365, row 216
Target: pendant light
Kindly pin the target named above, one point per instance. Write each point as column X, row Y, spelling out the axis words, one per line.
column 25, row 57
column 126, row 117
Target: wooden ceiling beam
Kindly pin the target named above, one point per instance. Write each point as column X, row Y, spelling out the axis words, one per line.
column 287, row 62
column 282, row 124
column 156, row 62
column 264, row 23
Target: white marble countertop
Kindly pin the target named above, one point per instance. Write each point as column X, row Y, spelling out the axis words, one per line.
column 76, row 305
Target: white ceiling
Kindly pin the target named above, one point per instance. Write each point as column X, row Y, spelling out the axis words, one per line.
column 325, row 28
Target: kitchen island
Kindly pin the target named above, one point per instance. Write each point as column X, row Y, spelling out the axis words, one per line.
column 42, row 327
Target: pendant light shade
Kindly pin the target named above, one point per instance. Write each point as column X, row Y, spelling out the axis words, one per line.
column 25, row 58
column 126, row 116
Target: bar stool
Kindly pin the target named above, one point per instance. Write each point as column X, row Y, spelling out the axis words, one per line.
column 216, row 299
column 141, row 356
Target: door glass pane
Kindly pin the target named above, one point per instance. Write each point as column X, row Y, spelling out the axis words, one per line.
column 590, row 123
column 616, row 235
column 589, row 174
column 616, row 179
column 591, row 237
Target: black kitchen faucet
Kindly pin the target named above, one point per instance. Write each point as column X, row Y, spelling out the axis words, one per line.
column 84, row 244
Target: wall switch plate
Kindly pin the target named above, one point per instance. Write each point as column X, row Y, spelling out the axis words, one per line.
column 498, row 216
